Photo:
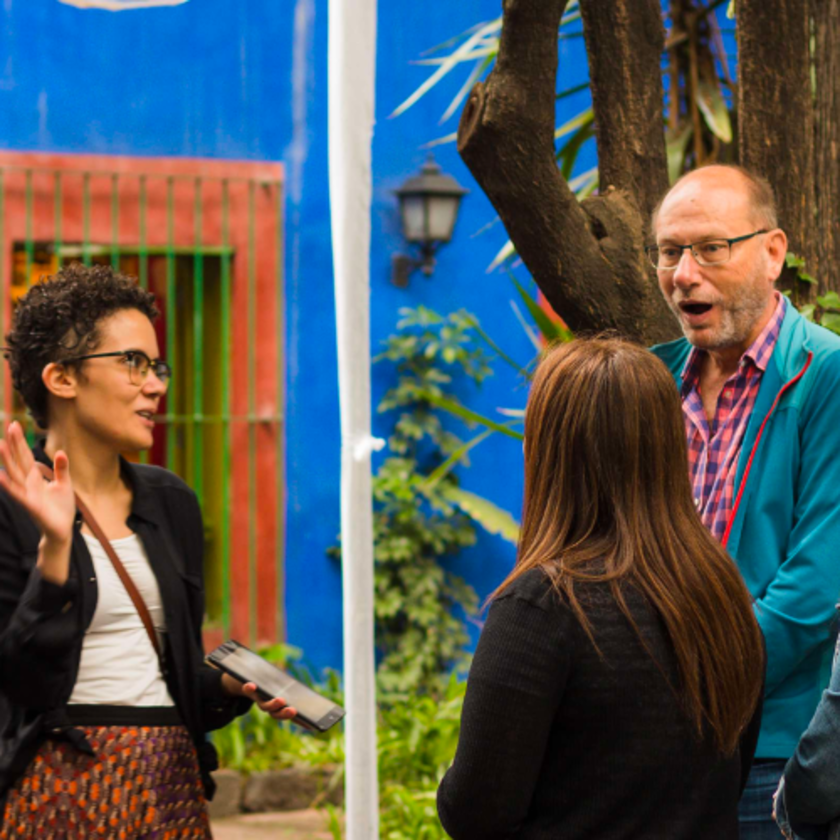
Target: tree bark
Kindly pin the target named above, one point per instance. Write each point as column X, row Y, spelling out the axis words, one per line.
column 776, row 113
column 587, row 258
column 827, row 145
column 624, row 44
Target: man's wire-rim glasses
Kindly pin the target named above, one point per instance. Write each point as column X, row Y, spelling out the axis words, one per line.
column 138, row 363
column 708, row 252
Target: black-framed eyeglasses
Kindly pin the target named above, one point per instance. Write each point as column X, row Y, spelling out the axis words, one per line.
column 137, row 362
column 708, row 252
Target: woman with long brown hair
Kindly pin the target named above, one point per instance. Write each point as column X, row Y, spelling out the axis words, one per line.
column 616, row 688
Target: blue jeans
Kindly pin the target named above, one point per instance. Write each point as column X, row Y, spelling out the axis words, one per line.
column 755, row 811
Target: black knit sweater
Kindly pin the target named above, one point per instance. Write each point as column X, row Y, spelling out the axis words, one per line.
column 557, row 742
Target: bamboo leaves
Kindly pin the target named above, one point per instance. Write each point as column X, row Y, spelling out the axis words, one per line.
column 491, row 517
column 715, row 112
column 480, row 41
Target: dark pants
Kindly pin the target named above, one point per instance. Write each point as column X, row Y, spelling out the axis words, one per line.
column 755, row 811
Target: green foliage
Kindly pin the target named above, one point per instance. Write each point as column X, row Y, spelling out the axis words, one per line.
column 825, row 312
column 418, row 633
column 417, row 740
column 550, row 330
column 492, row 519
column 430, row 351
column 416, row 737
column 796, row 262
column 826, row 309
column 420, row 636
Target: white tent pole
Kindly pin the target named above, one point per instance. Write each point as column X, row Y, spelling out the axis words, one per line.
column 352, row 51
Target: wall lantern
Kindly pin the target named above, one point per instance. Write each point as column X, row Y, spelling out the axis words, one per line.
column 429, row 205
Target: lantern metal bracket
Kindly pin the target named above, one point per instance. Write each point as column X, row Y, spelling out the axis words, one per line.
column 403, row 266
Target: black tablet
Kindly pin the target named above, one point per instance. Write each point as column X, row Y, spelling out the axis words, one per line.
column 246, row 666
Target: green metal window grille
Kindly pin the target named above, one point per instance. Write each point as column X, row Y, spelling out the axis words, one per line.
column 199, row 242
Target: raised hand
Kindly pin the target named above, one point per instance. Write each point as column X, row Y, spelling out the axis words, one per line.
column 50, row 503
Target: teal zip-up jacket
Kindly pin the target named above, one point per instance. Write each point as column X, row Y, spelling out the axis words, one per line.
column 785, row 530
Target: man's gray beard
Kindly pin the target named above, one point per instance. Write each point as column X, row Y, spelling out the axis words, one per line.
column 736, row 323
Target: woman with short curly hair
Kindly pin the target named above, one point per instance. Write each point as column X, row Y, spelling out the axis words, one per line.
column 103, row 710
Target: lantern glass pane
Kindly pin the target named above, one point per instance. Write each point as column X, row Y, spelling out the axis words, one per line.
column 442, row 212
column 414, row 218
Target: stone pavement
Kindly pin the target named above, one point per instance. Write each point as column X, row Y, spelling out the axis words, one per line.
column 288, row 825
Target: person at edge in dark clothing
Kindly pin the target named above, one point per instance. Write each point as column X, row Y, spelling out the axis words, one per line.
column 760, row 390
column 807, row 803
column 98, row 735
column 615, row 692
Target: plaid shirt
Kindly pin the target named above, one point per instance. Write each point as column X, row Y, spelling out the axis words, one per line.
column 713, row 449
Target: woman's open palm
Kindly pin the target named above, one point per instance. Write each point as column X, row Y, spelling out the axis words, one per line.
column 51, row 504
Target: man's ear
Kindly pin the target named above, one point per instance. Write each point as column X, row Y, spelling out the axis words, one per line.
column 776, row 245
column 59, row 380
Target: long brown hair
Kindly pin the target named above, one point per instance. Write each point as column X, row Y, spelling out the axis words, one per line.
column 608, row 499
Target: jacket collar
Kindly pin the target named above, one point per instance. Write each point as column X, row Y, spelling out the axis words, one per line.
column 143, row 504
column 793, row 345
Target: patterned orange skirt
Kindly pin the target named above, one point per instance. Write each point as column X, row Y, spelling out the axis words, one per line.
column 143, row 782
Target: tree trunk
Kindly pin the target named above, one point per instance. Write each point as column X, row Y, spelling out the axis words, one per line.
column 586, row 258
column 776, row 114
column 826, row 232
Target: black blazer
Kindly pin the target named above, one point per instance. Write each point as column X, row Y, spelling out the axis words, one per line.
column 42, row 624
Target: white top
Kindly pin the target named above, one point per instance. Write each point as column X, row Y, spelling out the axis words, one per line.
column 119, row 666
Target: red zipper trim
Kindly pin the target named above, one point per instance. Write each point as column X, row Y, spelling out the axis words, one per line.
column 755, row 447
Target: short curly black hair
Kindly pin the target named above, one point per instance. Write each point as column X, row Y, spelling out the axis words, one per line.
column 58, row 319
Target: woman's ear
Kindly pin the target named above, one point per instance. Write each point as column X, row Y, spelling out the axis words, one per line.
column 59, row 380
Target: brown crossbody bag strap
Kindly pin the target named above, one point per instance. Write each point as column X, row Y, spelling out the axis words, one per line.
column 127, row 582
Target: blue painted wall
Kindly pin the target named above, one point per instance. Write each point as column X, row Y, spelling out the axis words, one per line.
column 248, row 80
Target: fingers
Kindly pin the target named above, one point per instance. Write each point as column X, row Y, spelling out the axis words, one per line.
column 11, row 478
column 21, row 449
column 249, row 690
column 61, row 467
column 15, row 454
column 278, row 709
column 7, row 481
column 275, row 707
column 4, row 479
column 9, row 457
column 284, row 712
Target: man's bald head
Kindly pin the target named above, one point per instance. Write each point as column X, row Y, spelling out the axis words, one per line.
column 757, row 189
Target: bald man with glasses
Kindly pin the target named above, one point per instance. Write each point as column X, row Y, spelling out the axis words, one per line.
column 760, row 388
